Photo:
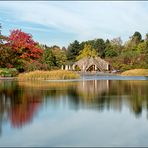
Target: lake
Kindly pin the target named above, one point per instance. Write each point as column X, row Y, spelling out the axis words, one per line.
column 92, row 111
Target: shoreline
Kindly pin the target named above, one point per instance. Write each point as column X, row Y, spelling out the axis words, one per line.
column 98, row 74
column 86, row 78
column 8, row 78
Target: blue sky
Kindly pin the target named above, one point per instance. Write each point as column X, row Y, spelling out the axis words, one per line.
column 61, row 22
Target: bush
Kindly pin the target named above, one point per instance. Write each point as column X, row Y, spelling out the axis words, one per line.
column 35, row 65
column 8, row 72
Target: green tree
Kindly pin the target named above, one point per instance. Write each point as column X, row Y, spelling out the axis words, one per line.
column 110, row 51
column 141, row 48
column 9, row 59
column 59, row 57
column 137, row 34
column 73, row 50
column 137, row 37
column 133, row 42
column 99, row 46
column 64, row 48
column 146, row 40
column 117, row 45
column 48, row 57
column 129, row 57
column 146, row 37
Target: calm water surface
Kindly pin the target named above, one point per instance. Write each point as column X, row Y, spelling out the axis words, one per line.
column 81, row 113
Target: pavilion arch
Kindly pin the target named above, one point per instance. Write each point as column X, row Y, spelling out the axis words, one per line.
column 91, row 64
column 93, row 67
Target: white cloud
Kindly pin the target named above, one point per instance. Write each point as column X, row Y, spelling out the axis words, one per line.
column 85, row 19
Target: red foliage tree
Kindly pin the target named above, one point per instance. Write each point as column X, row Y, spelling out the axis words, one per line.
column 23, row 44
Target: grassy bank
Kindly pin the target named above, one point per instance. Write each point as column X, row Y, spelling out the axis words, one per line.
column 135, row 72
column 48, row 75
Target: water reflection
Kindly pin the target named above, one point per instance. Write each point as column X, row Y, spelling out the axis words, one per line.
column 17, row 105
column 21, row 101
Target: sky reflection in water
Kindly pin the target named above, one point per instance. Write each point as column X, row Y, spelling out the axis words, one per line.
column 83, row 113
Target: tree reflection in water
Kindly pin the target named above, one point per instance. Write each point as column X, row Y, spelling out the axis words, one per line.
column 20, row 101
column 16, row 104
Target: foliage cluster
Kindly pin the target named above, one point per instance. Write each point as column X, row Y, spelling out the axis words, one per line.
column 11, row 72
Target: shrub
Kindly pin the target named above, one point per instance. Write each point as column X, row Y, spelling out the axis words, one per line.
column 8, row 72
column 35, row 65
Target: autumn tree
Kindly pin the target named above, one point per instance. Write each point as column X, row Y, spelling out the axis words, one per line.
column 88, row 51
column 23, row 44
column 24, row 47
column 97, row 44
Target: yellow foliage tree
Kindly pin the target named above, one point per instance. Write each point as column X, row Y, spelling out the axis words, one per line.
column 88, row 51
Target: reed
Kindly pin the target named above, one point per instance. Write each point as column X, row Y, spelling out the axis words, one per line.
column 49, row 75
column 135, row 72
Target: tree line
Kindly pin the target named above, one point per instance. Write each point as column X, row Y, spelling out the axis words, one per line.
column 122, row 56
column 20, row 51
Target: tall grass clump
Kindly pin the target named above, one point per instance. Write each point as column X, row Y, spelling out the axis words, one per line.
column 135, row 72
column 48, row 75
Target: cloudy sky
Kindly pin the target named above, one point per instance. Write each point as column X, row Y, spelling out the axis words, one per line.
column 61, row 22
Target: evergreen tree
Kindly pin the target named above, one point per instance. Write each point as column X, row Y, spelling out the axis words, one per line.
column 99, row 46
column 73, row 50
column 136, row 38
